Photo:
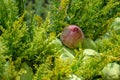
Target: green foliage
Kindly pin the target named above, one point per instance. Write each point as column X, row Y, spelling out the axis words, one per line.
column 94, row 17
column 30, row 45
column 2, row 62
column 39, row 7
column 58, row 72
column 16, row 39
column 8, row 13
